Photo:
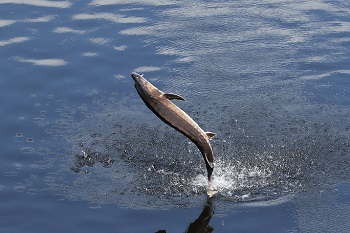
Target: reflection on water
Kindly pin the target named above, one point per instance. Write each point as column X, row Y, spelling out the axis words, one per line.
column 270, row 78
column 325, row 211
column 146, row 69
column 118, row 2
column 68, row 30
column 43, row 62
column 4, row 23
column 201, row 224
column 270, row 140
column 42, row 19
column 13, row 40
column 110, row 17
column 41, row 3
column 129, row 152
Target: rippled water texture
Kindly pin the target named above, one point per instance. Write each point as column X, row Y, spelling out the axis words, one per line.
column 270, row 78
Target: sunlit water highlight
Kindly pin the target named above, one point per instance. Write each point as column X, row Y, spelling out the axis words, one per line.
column 270, row 78
column 158, row 166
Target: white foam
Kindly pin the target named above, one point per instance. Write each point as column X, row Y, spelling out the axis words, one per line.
column 229, row 178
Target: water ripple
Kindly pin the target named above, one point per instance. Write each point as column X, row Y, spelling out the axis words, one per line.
column 42, row 3
column 116, row 18
column 68, row 30
column 145, row 2
column 42, row 19
column 147, row 69
column 14, row 40
column 43, row 62
column 4, row 22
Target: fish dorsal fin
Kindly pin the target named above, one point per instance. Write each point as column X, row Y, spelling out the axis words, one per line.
column 210, row 134
column 171, row 96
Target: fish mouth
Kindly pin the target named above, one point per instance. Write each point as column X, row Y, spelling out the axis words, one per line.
column 135, row 76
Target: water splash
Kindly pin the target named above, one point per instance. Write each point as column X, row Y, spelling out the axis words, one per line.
column 137, row 161
column 238, row 182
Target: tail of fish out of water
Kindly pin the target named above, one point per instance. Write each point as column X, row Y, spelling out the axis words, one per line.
column 210, row 191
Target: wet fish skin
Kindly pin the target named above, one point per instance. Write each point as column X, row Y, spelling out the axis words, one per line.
column 159, row 102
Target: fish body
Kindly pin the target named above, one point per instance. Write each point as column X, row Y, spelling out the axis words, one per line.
column 159, row 102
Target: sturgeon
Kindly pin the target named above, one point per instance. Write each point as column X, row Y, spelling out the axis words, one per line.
column 159, row 102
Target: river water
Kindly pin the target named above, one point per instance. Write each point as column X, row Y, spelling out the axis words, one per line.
column 82, row 153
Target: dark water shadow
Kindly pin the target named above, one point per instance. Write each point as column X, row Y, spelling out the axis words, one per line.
column 201, row 224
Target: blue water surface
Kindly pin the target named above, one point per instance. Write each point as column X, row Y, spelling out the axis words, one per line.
column 82, row 153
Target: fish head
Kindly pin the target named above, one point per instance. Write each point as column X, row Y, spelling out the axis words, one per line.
column 141, row 84
column 137, row 78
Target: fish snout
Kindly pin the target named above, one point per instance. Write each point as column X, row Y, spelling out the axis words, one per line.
column 135, row 76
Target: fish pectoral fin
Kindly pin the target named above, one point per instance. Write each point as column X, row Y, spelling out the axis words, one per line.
column 171, row 96
column 210, row 134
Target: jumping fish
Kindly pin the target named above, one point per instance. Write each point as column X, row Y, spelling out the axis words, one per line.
column 159, row 102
